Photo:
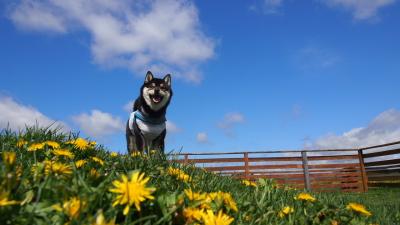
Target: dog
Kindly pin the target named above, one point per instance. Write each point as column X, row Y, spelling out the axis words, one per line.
column 146, row 126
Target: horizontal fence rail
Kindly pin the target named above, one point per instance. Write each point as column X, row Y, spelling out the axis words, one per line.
column 382, row 164
column 348, row 170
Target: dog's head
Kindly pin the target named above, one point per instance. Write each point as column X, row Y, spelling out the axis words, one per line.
column 157, row 92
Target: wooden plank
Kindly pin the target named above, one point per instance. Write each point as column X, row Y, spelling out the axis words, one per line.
column 299, row 176
column 212, row 160
column 384, row 178
column 377, row 168
column 306, row 171
column 382, row 153
column 330, row 179
column 383, row 162
column 224, row 168
column 362, row 172
column 276, row 172
column 373, row 172
column 246, row 165
column 333, row 157
column 339, row 165
column 286, row 166
column 274, row 159
column 319, row 175
column 383, row 184
column 379, row 146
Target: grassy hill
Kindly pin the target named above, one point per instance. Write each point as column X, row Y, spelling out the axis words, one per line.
column 48, row 177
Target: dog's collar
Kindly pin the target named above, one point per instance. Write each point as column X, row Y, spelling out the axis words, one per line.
column 146, row 119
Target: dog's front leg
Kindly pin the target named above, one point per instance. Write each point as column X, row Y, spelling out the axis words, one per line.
column 158, row 143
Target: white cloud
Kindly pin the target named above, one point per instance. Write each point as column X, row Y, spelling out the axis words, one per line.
column 229, row 122
column 268, row 7
column 272, row 6
column 164, row 36
column 315, row 58
column 202, row 137
column 361, row 9
column 128, row 107
column 98, row 124
column 17, row 116
column 382, row 129
column 172, row 127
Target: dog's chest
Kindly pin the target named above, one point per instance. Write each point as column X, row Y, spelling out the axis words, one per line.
column 150, row 131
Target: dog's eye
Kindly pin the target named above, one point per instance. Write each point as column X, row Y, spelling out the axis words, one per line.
column 153, row 84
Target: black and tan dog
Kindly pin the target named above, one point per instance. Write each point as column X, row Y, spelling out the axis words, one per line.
column 146, row 127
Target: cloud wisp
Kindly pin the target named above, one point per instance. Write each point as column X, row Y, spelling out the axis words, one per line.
column 17, row 116
column 360, row 9
column 98, row 124
column 202, row 138
column 161, row 35
column 229, row 122
column 382, row 129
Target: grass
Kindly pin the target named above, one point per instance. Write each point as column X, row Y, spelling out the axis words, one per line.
column 50, row 184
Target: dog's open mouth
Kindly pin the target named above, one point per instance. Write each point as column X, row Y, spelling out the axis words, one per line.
column 156, row 98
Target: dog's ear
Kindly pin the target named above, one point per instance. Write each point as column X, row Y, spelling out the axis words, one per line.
column 149, row 77
column 167, row 79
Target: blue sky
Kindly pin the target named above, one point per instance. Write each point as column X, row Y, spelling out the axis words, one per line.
column 247, row 75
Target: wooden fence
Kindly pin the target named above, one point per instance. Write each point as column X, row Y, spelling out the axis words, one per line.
column 346, row 170
column 382, row 164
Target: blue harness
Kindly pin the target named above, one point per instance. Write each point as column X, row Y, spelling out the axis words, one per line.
column 155, row 121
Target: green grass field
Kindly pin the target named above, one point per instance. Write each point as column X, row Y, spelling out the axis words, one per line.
column 47, row 177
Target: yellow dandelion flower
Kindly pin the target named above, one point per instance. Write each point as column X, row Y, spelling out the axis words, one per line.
column 100, row 220
column 36, row 146
column 52, row 144
column 210, row 218
column 285, row 211
column 73, row 207
column 152, row 152
column 63, row 152
column 94, row 173
column 229, row 201
column 358, row 208
column 57, row 207
column 9, row 158
column 195, row 196
column 92, row 143
column 113, row 154
column 80, row 143
column 80, row 163
column 249, row 183
column 334, row 222
column 4, row 201
column 98, row 160
column 179, row 174
column 21, row 143
column 56, row 168
column 305, row 197
column 133, row 191
column 192, row 214
column 136, row 154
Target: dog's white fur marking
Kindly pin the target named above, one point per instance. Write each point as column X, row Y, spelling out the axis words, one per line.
column 149, row 131
column 155, row 106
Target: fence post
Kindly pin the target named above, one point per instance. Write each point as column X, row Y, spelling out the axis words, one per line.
column 362, row 170
column 186, row 160
column 306, row 171
column 246, row 165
